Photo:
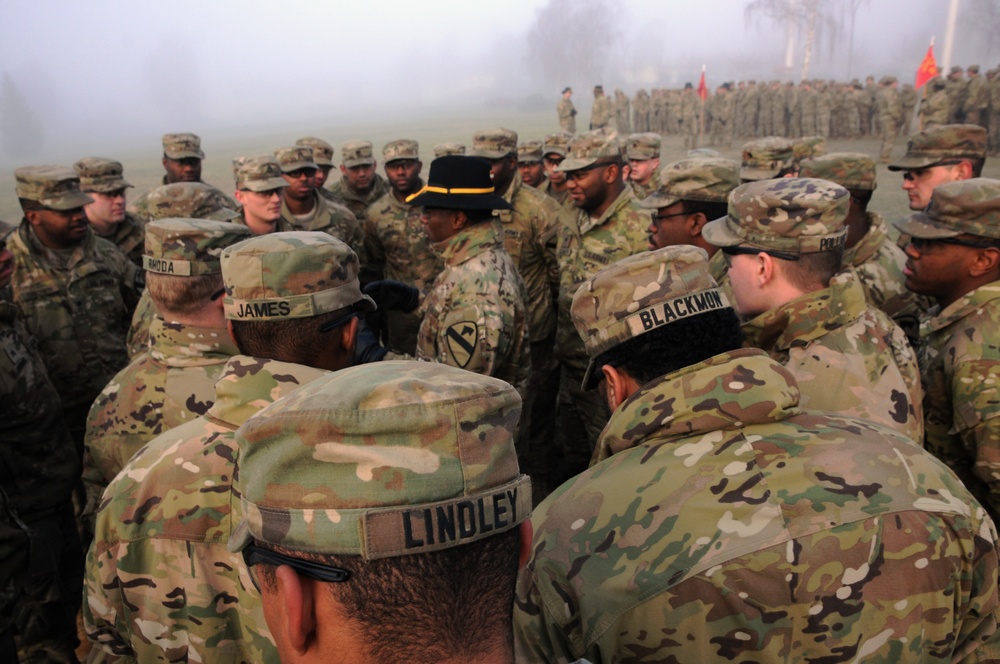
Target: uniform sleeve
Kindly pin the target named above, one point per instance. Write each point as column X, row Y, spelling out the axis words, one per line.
column 463, row 339
column 537, row 638
column 373, row 258
column 102, row 610
column 976, row 417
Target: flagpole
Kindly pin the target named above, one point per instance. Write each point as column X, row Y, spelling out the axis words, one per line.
column 701, row 121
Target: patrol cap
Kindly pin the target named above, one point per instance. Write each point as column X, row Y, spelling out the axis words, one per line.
column 402, row 148
column 973, row 68
column 295, row 157
column 356, row 152
column 791, row 215
column 494, row 143
column 639, row 294
column 55, row 187
column 447, row 148
column 182, row 146
column 956, row 69
column 189, row 247
column 765, row 157
column 529, row 152
column 642, row 147
column 189, row 200
column 705, row 179
column 322, row 151
column 557, row 143
column 942, row 143
column 100, row 174
column 294, row 274
column 887, row 80
column 590, row 147
column 808, row 147
column 382, row 460
column 964, row 206
column 702, row 152
column 852, row 170
column 258, row 173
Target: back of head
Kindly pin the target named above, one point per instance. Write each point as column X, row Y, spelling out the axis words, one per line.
column 414, row 490
column 188, row 200
column 700, row 179
column 766, row 158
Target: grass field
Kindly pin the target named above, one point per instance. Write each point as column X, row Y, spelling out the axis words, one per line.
column 143, row 169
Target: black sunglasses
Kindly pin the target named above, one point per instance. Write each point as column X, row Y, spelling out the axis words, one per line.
column 913, row 174
column 753, row 251
column 922, row 244
column 254, row 555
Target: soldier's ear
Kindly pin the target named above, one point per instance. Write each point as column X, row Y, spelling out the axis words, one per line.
column 32, row 216
column 527, row 532
column 986, row 261
column 695, row 223
column 297, row 599
column 964, row 170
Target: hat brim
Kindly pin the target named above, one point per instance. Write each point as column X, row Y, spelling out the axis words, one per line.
column 323, row 162
column 658, row 199
column 759, row 173
column 67, row 202
column 270, row 184
column 921, row 226
column 296, row 165
column 570, row 165
column 351, row 163
column 559, row 151
column 719, row 233
column 107, row 187
column 489, row 154
column 184, row 154
column 223, row 214
column 460, row 201
column 910, row 163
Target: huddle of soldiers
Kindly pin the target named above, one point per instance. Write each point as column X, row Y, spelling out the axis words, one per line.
column 557, row 401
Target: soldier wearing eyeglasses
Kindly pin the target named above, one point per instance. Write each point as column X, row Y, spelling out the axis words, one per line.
column 954, row 257
column 784, row 242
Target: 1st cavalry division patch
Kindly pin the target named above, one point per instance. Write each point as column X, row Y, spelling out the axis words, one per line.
column 462, row 341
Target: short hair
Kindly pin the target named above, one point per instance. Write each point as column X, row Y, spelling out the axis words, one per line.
column 814, row 270
column 288, row 339
column 423, row 607
column 478, row 216
column 675, row 346
column 977, row 165
column 711, row 209
column 182, row 295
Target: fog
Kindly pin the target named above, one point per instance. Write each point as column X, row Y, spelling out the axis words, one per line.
column 95, row 77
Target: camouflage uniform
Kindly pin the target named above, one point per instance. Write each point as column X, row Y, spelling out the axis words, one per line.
column 357, row 153
column 567, row 115
column 934, row 111
column 173, row 382
column 557, row 143
column 977, row 98
column 77, row 308
column 447, row 148
column 890, row 116
column 105, row 176
column 602, row 110
column 720, row 522
column 766, row 158
column 160, row 582
column 642, row 147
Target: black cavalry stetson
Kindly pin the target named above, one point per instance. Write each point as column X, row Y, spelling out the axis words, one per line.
column 459, row 182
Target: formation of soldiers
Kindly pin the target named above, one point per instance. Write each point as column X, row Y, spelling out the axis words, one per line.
column 742, row 413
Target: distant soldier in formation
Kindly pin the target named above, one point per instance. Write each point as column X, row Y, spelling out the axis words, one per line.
column 690, row 113
column 722, row 117
column 602, row 111
column 956, row 95
column 977, row 98
column 566, row 112
column 934, row 111
column 908, row 102
column 640, row 111
column 623, row 119
column 102, row 180
column 890, row 115
column 359, row 185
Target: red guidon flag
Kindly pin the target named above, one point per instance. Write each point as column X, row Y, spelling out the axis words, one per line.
column 702, row 88
column 928, row 69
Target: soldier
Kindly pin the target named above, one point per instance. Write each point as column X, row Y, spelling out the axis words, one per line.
column 640, row 111
column 784, row 242
column 956, row 96
column 806, row 147
column 173, row 382
column 259, row 189
column 553, row 152
column 868, row 252
column 474, row 314
column 642, row 151
column 323, row 158
column 102, row 180
column 954, row 257
column 767, row 158
column 529, row 163
column 182, row 156
column 608, row 226
column 977, row 98
column 722, row 117
column 867, row 107
column 326, row 591
column 181, row 200
column 39, row 469
column 602, row 111
column 622, row 112
column 720, row 522
column 160, row 583
column 938, row 155
column 565, row 111
column 907, row 101
column 447, row 148
column 890, row 115
column 993, row 83
column 396, row 246
column 76, row 290
column 359, row 185
column 304, row 209
column 14, row 543
column 690, row 111
column 934, row 111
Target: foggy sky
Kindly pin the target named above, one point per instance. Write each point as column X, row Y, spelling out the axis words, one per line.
column 100, row 73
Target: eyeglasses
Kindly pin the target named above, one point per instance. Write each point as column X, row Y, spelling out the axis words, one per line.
column 334, row 324
column 269, row 193
column 579, row 173
column 254, row 555
column 300, row 173
column 554, row 162
column 661, row 217
column 923, row 244
column 918, row 173
column 753, row 251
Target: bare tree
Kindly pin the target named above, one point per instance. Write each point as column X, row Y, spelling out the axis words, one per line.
column 573, row 40
column 818, row 21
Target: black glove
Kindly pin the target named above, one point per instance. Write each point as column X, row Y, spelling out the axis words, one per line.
column 366, row 346
column 393, row 295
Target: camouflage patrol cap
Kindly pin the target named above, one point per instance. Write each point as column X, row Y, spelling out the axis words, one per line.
column 258, row 173
column 887, row 80
column 956, row 69
column 293, row 274
column 322, row 151
column 852, row 170
column 182, row 146
column 189, row 247
column 399, row 458
column 642, row 147
column 403, row 148
column 973, row 68
column 789, row 215
column 55, row 187
column 964, row 206
column 590, row 147
column 639, row 294
column 100, row 174
column 356, row 152
column 702, row 152
column 494, row 143
column 189, row 200
column 529, row 152
column 295, row 157
column 448, row 148
column 703, row 179
column 765, row 157
column 807, row 147
column 942, row 143
column 557, row 143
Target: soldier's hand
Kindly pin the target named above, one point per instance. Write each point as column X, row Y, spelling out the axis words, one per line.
column 393, row 295
column 366, row 346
